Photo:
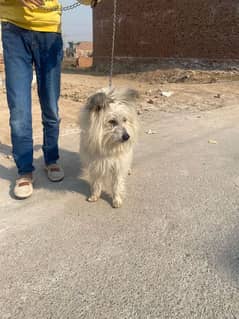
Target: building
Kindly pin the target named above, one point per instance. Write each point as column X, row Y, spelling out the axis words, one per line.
column 149, row 30
column 84, row 49
column 78, row 49
column 84, row 52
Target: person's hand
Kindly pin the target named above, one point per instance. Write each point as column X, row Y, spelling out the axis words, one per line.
column 91, row 3
column 31, row 3
column 94, row 3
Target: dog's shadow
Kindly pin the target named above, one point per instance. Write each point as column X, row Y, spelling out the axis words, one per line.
column 72, row 168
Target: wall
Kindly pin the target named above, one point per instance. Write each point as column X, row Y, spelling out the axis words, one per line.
column 148, row 29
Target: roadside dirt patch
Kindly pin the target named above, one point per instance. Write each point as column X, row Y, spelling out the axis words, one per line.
column 155, row 96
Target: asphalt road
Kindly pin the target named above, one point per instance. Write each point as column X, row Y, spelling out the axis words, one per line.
column 172, row 251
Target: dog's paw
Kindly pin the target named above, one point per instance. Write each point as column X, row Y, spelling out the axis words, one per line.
column 92, row 199
column 117, row 202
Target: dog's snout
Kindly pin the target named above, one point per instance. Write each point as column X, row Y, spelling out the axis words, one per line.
column 125, row 137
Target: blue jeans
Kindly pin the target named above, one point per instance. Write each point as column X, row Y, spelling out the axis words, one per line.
column 22, row 50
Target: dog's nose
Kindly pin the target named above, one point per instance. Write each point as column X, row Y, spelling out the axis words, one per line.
column 125, row 137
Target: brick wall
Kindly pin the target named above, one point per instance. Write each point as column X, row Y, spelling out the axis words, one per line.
column 149, row 29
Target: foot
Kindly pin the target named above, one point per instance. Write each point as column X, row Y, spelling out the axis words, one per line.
column 24, row 186
column 55, row 172
column 117, row 202
column 93, row 198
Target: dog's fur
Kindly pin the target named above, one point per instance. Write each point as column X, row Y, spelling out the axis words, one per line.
column 109, row 128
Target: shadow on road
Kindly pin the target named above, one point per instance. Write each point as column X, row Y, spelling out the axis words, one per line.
column 72, row 168
column 227, row 258
column 71, row 183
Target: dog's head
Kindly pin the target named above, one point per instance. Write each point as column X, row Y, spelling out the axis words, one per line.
column 113, row 118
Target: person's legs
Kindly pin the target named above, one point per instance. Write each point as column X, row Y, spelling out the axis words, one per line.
column 18, row 68
column 48, row 53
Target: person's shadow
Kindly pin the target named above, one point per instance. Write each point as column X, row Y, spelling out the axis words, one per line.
column 72, row 168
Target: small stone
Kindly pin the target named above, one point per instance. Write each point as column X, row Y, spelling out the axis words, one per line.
column 212, row 142
column 150, row 132
column 167, row 94
column 150, row 101
column 9, row 157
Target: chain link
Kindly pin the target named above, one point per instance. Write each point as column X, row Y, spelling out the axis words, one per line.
column 113, row 43
column 71, row 7
column 63, row 9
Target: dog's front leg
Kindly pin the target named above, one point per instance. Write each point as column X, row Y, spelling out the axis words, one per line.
column 118, row 188
column 96, row 188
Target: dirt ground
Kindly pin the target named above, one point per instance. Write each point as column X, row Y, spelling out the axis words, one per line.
column 161, row 90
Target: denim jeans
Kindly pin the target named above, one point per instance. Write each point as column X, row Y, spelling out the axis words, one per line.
column 22, row 50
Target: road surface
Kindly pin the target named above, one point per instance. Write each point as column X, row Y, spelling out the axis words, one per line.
column 172, row 251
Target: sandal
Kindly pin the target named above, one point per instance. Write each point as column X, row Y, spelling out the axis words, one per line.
column 24, row 186
column 55, row 172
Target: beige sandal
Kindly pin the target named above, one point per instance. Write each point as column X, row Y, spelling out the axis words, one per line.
column 55, row 172
column 24, row 186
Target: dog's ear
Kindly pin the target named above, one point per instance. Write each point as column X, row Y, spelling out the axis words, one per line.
column 97, row 102
column 128, row 95
column 131, row 95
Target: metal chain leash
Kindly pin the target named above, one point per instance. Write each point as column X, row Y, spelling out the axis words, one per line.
column 63, row 9
column 71, row 7
column 113, row 43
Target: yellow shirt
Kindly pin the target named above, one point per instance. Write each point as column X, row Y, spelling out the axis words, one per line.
column 46, row 19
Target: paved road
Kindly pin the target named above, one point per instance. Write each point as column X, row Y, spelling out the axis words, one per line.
column 171, row 252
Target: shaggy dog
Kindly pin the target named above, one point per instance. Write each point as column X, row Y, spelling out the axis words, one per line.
column 109, row 128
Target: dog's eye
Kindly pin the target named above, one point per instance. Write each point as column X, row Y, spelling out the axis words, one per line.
column 124, row 119
column 113, row 122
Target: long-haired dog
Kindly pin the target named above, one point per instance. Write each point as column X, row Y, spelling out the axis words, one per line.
column 109, row 128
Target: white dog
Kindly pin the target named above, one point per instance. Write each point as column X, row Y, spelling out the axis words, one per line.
column 109, row 128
